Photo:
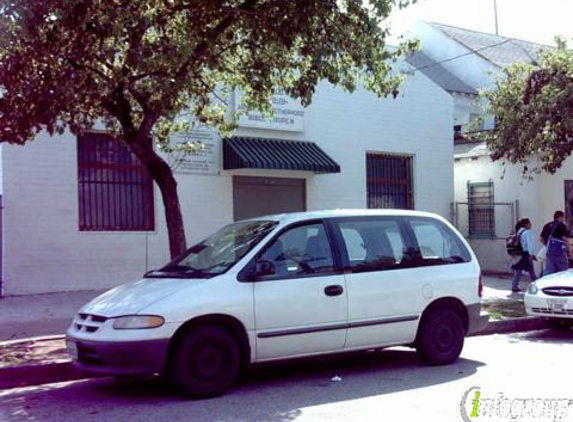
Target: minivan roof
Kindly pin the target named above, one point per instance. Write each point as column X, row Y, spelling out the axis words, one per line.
column 301, row 216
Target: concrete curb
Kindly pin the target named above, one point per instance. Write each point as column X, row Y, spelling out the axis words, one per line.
column 512, row 325
column 59, row 370
column 27, row 375
column 38, row 338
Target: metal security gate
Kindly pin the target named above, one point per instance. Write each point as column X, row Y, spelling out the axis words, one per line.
column 481, row 211
column 498, row 222
column 256, row 196
column 389, row 181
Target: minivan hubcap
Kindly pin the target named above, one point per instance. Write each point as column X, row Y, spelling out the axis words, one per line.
column 209, row 361
column 444, row 337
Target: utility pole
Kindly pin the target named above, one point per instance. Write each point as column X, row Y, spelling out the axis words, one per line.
column 495, row 16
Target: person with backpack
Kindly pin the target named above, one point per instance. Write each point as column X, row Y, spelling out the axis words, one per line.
column 555, row 237
column 526, row 253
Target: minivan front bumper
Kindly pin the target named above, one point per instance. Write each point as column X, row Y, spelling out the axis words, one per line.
column 119, row 358
column 477, row 319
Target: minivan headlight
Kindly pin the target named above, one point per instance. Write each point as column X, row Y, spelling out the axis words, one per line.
column 138, row 322
column 532, row 289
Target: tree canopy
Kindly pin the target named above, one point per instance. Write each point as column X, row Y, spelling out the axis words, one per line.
column 148, row 68
column 533, row 108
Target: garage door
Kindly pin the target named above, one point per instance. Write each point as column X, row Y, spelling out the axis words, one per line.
column 256, row 196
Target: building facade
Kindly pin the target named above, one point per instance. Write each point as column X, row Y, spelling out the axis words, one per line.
column 489, row 196
column 80, row 214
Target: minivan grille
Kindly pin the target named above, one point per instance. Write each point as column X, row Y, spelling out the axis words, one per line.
column 558, row 291
column 88, row 323
column 88, row 355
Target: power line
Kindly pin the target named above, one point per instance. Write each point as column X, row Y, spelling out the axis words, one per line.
column 463, row 55
column 495, row 15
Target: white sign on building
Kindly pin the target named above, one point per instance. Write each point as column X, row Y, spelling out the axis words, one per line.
column 205, row 158
column 288, row 114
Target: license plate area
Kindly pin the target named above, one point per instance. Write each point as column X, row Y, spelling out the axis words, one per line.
column 557, row 305
column 72, row 349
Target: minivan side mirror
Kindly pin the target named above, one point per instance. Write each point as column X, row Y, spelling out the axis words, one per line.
column 263, row 268
column 148, row 273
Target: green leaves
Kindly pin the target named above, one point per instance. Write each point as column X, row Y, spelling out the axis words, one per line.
column 68, row 62
column 533, row 107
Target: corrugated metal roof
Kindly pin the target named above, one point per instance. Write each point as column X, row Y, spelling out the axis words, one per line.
column 501, row 51
column 438, row 74
column 279, row 154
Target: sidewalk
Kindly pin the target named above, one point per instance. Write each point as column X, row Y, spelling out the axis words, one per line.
column 498, row 287
column 50, row 314
column 40, row 315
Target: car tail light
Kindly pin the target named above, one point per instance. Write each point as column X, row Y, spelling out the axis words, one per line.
column 480, row 285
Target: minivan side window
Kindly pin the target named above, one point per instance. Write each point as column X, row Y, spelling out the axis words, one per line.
column 374, row 244
column 437, row 243
column 299, row 251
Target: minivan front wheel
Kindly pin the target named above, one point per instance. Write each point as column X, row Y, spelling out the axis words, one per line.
column 440, row 337
column 205, row 362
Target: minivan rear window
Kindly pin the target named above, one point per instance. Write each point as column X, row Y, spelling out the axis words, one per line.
column 375, row 244
column 437, row 243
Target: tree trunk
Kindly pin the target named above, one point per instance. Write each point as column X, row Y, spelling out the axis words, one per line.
column 163, row 176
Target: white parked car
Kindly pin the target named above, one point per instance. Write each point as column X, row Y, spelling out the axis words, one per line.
column 288, row 286
column 551, row 297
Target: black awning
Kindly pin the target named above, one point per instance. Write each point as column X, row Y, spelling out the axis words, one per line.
column 258, row 153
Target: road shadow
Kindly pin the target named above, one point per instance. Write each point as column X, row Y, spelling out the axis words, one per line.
column 562, row 338
column 273, row 393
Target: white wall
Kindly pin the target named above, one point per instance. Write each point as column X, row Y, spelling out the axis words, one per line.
column 510, row 185
column 552, row 191
column 418, row 122
column 45, row 251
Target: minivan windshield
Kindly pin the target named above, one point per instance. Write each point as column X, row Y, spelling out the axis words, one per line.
column 219, row 252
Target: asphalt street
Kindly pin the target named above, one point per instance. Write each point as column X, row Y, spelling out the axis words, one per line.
column 375, row 386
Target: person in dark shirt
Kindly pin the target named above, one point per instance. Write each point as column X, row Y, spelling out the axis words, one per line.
column 556, row 229
column 525, row 262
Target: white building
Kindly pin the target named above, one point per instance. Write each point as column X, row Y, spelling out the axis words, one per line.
column 75, row 213
column 489, row 197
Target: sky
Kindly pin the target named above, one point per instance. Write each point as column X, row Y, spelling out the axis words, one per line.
column 531, row 20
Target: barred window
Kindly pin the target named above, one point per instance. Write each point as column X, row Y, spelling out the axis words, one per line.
column 481, row 209
column 389, row 181
column 115, row 190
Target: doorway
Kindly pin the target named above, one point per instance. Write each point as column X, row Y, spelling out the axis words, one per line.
column 256, row 196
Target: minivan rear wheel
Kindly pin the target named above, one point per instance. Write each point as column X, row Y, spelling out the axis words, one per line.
column 440, row 337
column 205, row 362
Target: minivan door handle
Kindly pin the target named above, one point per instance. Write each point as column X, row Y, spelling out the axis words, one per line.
column 333, row 290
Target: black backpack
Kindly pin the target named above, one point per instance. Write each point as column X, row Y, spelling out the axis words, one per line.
column 513, row 245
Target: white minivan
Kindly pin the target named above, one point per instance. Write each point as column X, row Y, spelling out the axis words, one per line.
column 287, row 286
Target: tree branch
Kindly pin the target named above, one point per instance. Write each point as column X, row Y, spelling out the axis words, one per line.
column 119, row 107
column 211, row 37
column 144, row 131
column 77, row 65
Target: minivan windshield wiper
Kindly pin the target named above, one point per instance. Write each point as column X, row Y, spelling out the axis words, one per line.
column 177, row 271
column 178, row 268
